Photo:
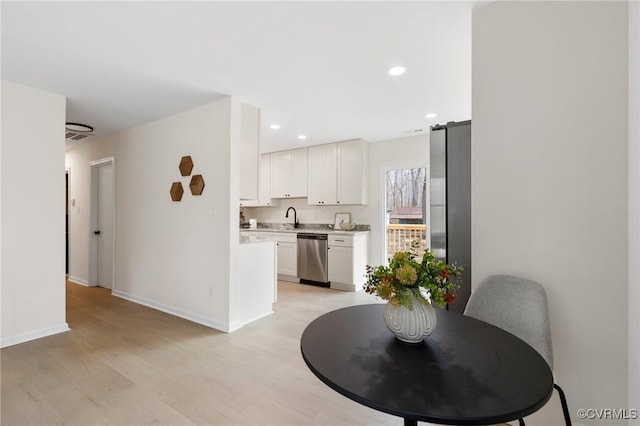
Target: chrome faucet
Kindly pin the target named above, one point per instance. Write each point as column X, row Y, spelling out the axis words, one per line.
column 295, row 220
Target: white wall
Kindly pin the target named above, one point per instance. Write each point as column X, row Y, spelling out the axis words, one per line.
column 32, row 157
column 634, row 206
column 549, row 173
column 174, row 256
column 403, row 152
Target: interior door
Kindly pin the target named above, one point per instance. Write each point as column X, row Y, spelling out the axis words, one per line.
column 104, row 231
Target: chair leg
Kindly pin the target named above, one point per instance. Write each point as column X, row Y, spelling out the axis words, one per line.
column 565, row 407
column 520, row 422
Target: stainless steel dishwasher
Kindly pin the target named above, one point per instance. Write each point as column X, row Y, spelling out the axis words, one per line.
column 312, row 259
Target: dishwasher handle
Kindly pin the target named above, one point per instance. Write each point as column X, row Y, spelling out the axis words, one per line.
column 308, row 236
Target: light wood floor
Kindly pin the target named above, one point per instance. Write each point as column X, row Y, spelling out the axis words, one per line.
column 125, row 364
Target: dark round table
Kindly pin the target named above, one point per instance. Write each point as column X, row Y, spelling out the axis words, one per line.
column 467, row 372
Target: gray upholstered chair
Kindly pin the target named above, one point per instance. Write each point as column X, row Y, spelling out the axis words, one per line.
column 520, row 307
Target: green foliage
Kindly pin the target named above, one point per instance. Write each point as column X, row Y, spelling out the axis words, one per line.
column 409, row 275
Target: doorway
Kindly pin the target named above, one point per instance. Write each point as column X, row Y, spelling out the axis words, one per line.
column 102, row 232
column 405, row 209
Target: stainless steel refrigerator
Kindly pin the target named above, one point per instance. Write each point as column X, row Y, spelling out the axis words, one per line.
column 450, row 200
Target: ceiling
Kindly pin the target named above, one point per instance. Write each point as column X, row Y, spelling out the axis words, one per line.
column 318, row 69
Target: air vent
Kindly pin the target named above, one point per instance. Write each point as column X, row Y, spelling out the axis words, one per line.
column 77, row 131
column 74, row 136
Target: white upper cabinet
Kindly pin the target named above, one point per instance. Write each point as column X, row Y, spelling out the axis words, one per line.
column 299, row 163
column 249, row 153
column 339, row 173
column 280, row 174
column 289, row 173
column 330, row 174
column 264, row 186
column 322, row 176
column 264, row 182
column 353, row 172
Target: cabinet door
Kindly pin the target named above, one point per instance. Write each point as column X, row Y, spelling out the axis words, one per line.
column 322, row 174
column 314, row 183
column 287, row 258
column 249, row 154
column 249, row 203
column 264, row 182
column 280, row 174
column 353, row 172
column 330, row 174
column 340, row 264
column 298, row 177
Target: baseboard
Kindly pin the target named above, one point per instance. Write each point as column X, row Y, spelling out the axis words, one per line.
column 79, row 281
column 288, row 278
column 257, row 318
column 237, row 325
column 344, row 287
column 32, row 335
column 227, row 328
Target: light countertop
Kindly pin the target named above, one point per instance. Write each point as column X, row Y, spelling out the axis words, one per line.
column 255, row 239
column 304, row 231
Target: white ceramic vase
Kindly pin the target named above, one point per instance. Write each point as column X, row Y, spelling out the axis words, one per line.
column 410, row 326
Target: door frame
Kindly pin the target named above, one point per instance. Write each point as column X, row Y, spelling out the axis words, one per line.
column 67, row 172
column 93, row 221
column 382, row 208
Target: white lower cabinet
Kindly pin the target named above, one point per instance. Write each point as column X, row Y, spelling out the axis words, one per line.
column 347, row 257
column 287, row 255
column 340, row 264
column 257, row 284
column 347, row 261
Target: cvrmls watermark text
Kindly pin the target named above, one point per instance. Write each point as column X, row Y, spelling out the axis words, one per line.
column 607, row 413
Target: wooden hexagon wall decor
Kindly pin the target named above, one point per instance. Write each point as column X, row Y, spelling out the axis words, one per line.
column 176, row 191
column 196, row 185
column 186, row 165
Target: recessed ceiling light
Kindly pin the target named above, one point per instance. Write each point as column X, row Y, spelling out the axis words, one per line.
column 432, row 115
column 275, row 126
column 301, row 137
column 397, row 70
